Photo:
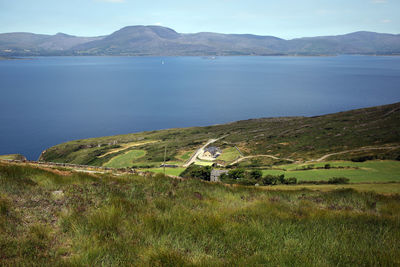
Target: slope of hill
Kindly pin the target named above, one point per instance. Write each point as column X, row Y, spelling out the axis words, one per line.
column 59, row 217
column 21, row 43
column 370, row 132
column 352, row 43
column 162, row 41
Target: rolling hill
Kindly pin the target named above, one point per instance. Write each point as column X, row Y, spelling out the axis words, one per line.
column 30, row 44
column 370, row 133
column 162, row 41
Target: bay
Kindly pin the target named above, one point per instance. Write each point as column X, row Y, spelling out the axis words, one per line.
column 45, row 101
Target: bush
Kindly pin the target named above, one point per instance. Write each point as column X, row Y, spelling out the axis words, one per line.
column 281, row 178
column 224, row 177
column 327, row 166
column 255, row 174
column 269, row 180
column 313, row 182
column 143, row 166
column 200, row 172
column 363, row 158
column 338, row 180
column 247, row 181
column 237, row 174
column 4, row 206
column 291, row 180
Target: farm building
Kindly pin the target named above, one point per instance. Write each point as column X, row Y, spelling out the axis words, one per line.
column 215, row 174
column 212, row 152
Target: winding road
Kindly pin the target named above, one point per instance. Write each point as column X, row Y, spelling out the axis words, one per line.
column 355, row 150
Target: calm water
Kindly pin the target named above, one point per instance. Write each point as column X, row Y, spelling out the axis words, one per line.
column 46, row 101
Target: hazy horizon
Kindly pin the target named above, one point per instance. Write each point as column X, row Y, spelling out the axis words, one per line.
column 327, row 34
column 285, row 19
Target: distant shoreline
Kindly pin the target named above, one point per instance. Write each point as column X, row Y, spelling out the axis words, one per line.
column 31, row 57
column 15, row 58
column 139, row 40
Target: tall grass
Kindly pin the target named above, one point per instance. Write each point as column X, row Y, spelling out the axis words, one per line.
column 158, row 221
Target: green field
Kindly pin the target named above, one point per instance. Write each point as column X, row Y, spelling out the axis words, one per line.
column 381, row 188
column 78, row 219
column 126, row 159
column 186, row 155
column 229, row 154
column 369, row 171
column 203, row 162
column 12, row 157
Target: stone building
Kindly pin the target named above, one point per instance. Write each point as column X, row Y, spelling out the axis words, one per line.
column 215, row 174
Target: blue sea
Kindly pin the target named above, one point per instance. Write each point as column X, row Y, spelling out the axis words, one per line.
column 49, row 100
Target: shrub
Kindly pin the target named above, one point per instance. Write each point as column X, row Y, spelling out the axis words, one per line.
column 363, row 158
column 224, row 177
column 4, row 205
column 255, row 174
column 327, row 166
column 313, row 182
column 237, row 174
column 200, row 172
column 338, row 180
column 246, row 181
column 291, row 180
column 269, row 180
column 281, row 178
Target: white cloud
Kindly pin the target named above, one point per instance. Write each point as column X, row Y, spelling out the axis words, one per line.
column 158, row 23
column 386, row 21
column 379, row 1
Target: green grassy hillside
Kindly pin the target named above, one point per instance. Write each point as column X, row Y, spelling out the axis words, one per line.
column 375, row 132
column 357, row 172
column 13, row 157
column 63, row 218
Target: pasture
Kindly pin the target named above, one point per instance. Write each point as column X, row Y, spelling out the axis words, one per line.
column 126, row 159
column 357, row 172
column 229, row 154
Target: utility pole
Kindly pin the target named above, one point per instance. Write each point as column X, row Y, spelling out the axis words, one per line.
column 165, row 155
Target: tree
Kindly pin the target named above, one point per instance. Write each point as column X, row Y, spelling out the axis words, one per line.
column 237, row 174
column 327, row 166
column 200, row 172
column 255, row 174
column 269, row 180
column 281, row 178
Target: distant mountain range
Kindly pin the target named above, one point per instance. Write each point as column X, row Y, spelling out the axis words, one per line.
column 162, row 41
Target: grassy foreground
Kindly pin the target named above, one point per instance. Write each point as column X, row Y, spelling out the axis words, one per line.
column 57, row 217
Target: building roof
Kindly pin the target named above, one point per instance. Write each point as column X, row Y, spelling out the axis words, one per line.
column 213, row 150
column 218, row 172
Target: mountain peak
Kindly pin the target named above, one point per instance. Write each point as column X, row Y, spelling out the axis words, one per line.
column 160, row 31
column 60, row 34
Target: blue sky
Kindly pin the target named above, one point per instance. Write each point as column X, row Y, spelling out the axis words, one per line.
column 282, row 18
